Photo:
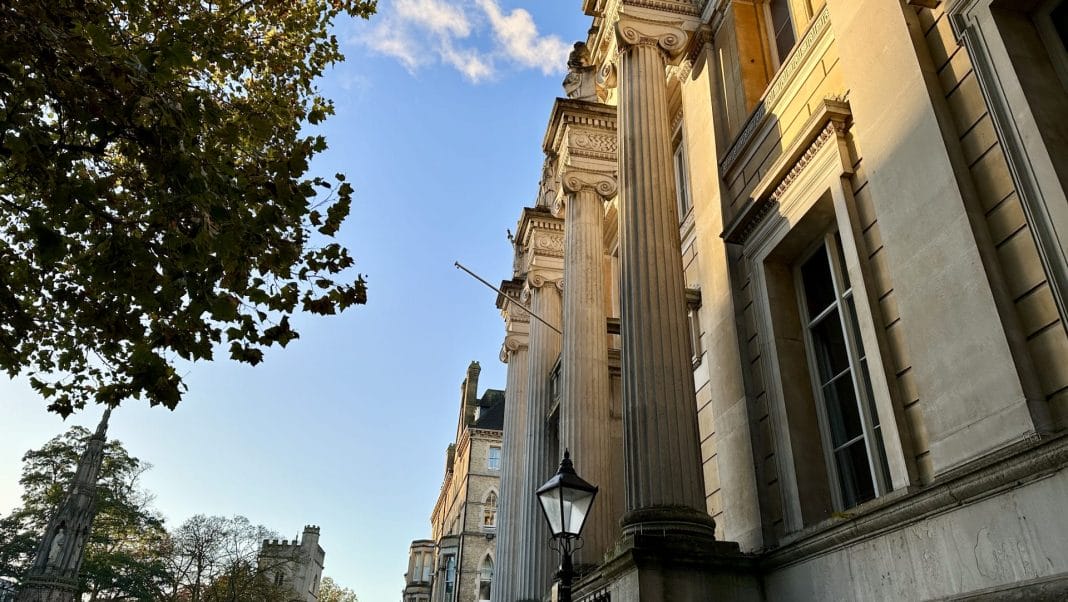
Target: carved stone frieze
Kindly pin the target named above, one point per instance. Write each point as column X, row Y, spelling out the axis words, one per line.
column 548, row 244
column 602, row 144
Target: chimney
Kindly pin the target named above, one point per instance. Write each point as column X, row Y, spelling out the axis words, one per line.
column 470, row 393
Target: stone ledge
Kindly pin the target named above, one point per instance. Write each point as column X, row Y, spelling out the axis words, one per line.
column 1044, row 589
column 1035, row 458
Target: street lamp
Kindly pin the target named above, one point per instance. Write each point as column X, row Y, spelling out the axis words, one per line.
column 566, row 500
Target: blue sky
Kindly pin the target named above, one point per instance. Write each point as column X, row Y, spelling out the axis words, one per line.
column 441, row 109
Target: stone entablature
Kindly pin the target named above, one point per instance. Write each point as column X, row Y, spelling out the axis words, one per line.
column 583, row 136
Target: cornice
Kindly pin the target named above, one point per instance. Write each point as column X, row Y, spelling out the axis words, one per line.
column 537, row 220
column 830, row 121
column 678, row 7
column 568, row 113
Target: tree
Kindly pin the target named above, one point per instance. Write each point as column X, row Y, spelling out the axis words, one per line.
column 330, row 591
column 216, row 559
column 123, row 559
column 154, row 202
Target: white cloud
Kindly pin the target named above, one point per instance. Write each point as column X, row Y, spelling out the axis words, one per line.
column 470, row 63
column 395, row 42
column 438, row 16
column 418, row 33
column 518, row 34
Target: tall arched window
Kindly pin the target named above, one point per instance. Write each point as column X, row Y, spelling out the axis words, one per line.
column 485, row 579
column 489, row 511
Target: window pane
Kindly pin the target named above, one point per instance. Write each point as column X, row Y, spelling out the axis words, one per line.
column 842, row 410
column 816, row 279
column 832, row 357
column 841, row 262
column 681, row 183
column 854, row 474
column 782, row 26
column 1059, row 16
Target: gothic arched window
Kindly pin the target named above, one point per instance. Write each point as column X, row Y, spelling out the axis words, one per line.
column 489, row 511
column 485, row 579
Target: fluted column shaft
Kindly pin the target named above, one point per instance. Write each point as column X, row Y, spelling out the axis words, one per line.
column 513, row 465
column 534, row 558
column 585, row 405
column 661, row 445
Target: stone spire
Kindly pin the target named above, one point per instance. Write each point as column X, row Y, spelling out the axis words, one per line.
column 53, row 577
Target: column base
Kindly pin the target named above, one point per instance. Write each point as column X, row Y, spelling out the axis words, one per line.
column 682, row 567
column 668, row 522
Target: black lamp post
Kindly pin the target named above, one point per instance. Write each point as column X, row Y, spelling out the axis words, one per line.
column 566, row 500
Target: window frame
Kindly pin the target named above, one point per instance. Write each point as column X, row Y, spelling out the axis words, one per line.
column 858, row 369
column 816, row 201
column 1056, row 46
column 771, row 38
column 483, row 579
column 490, row 511
column 490, row 464
column 681, row 164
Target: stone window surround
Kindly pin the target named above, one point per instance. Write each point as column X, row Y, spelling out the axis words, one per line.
column 811, row 190
column 1042, row 196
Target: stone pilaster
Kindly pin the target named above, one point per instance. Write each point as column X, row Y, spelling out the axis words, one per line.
column 583, row 135
column 541, row 243
column 514, row 352
column 664, row 491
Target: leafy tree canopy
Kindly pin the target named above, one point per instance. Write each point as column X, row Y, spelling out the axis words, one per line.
column 330, row 591
column 154, row 202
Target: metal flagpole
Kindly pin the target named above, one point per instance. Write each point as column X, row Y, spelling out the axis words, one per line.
column 510, row 300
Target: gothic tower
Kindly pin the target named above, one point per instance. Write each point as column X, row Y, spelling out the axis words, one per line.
column 53, row 577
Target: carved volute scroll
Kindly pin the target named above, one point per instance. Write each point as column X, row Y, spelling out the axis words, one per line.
column 668, row 36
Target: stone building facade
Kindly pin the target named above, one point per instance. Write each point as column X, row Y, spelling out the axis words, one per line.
column 418, row 581
column 459, row 563
column 295, row 564
column 800, row 274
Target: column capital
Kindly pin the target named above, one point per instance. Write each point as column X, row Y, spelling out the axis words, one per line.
column 604, row 184
column 541, row 278
column 670, row 37
column 512, row 344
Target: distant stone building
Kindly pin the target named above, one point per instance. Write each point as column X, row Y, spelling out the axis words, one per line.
column 464, row 521
column 418, row 579
column 295, row 564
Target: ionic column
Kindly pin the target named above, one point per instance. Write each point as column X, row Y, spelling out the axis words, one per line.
column 540, row 248
column 662, row 467
column 585, row 404
column 514, row 352
column 535, row 560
